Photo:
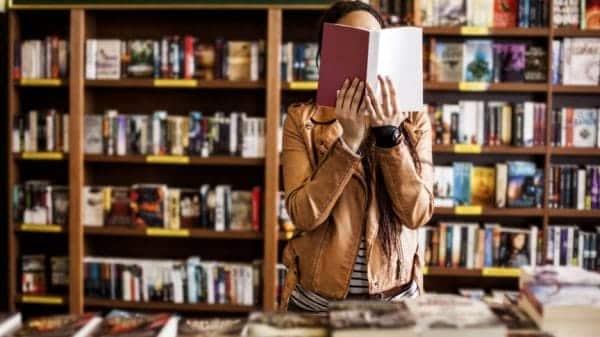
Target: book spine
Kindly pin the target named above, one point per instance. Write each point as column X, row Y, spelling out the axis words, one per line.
column 442, row 250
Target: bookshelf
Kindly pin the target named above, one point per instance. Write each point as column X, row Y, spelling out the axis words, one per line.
column 275, row 24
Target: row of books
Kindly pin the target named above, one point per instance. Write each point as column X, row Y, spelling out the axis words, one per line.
column 39, row 59
column 235, row 134
column 568, row 245
column 178, row 281
column 299, row 61
column 575, row 61
column 510, row 184
column 468, row 245
column 175, row 57
column 575, row 127
column 488, row 123
column 43, row 274
column 577, row 13
column 38, row 202
column 571, row 186
column 143, row 206
column 39, row 131
column 485, row 13
column 484, row 60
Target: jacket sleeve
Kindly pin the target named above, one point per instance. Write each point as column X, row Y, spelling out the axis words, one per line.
column 410, row 191
column 311, row 195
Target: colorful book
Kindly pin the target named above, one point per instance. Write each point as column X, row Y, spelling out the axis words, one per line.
column 483, row 181
column 449, row 57
column 521, row 191
column 61, row 325
column 477, row 61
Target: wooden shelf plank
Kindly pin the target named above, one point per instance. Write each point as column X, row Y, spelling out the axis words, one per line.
column 489, row 87
column 232, row 5
column 471, row 272
column 488, row 211
column 169, row 83
column 192, row 233
column 193, row 160
column 576, row 89
column 573, row 213
column 484, row 31
column 41, row 299
column 167, row 306
column 500, row 149
column 576, row 32
column 575, row 151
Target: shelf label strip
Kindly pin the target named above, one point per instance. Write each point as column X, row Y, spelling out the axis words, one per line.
column 41, row 228
column 473, row 86
column 468, row 210
column 168, row 232
column 467, row 148
column 173, row 83
column 168, row 159
column 304, row 85
column 48, row 82
column 474, row 31
column 501, row 272
column 425, row 270
column 43, row 155
column 54, row 300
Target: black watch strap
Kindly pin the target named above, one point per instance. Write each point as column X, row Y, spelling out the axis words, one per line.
column 386, row 136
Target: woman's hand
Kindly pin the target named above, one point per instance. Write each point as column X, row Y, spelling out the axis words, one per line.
column 350, row 114
column 384, row 112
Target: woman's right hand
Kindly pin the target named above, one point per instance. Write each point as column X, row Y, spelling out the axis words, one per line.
column 350, row 114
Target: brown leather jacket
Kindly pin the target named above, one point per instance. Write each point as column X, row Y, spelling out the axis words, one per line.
column 326, row 197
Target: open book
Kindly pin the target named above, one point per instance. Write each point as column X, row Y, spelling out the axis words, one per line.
column 349, row 52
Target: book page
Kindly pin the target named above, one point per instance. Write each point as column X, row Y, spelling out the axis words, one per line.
column 400, row 57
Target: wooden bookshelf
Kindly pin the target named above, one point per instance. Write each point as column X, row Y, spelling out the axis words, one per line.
column 575, row 32
column 167, row 306
column 182, row 233
column 273, row 23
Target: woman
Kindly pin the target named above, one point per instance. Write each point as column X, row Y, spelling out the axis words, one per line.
column 358, row 182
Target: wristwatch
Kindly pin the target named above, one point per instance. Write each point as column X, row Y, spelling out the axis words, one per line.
column 387, row 136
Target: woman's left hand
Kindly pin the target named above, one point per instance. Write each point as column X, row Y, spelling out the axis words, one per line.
column 384, row 112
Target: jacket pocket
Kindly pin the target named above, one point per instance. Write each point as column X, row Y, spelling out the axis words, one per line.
column 290, row 260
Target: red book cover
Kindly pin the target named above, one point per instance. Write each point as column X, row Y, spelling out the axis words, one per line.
column 569, row 127
column 337, row 63
column 54, row 57
column 188, row 49
column 256, row 198
column 505, row 13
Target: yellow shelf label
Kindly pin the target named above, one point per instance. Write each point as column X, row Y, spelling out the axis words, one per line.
column 167, row 232
column 43, row 155
column 175, row 83
column 468, row 210
column 425, row 270
column 41, row 228
column 479, row 31
column 47, row 82
column 40, row 299
column 467, row 148
column 168, row 159
column 473, row 86
column 304, row 85
column 501, row 272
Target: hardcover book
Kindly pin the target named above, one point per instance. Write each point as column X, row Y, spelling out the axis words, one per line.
column 592, row 14
column 93, row 206
column 450, row 12
column 505, row 13
column 241, row 210
column 217, row 327
column 108, row 59
column 349, row 53
column 287, row 324
column 477, row 61
column 238, row 58
column 536, row 69
column 443, row 186
column 60, row 205
column 118, row 208
column 190, row 208
column 581, row 61
column 483, row 181
column 449, row 56
column 509, row 62
column 60, row 326
column 514, row 247
column 149, row 205
column 462, row 183
column 371, row 318
column 92, row 143
column 128, row 324
column 141, row 62
column 521, row 191
column 585, row 123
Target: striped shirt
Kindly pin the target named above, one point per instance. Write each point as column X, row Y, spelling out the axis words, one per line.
column 359, row 285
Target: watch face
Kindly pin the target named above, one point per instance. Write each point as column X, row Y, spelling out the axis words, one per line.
column 396, row 134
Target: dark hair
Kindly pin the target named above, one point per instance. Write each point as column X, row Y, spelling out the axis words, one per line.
column 389, row 223
column 342, row 8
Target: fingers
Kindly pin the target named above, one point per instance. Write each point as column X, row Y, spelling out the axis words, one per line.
column 392, row 92
column 373, row 106
column 340, row 95
column 385, row 97
column 349, row 95
column 358, row 94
